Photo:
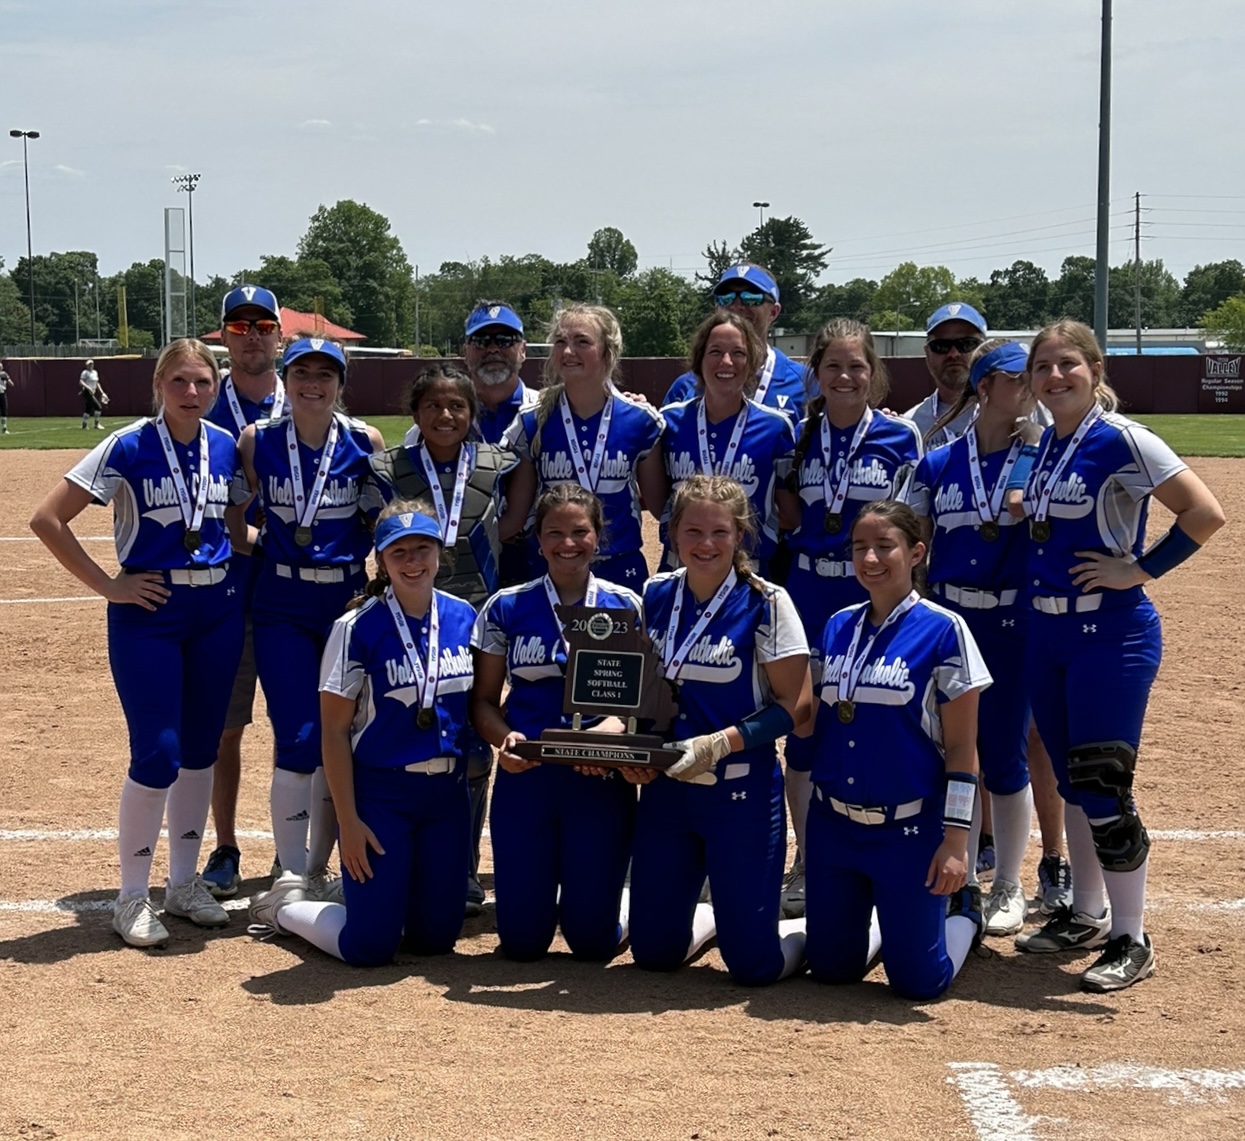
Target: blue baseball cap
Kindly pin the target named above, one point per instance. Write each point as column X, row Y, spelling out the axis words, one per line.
column 1011, row 357
column 956, row 311
column 309, row 345
column 487, row 315
column 255, row 295
column 752, row 275
column 405, row 525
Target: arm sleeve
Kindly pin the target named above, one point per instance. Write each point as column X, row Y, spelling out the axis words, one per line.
column 340, row 671
column 487, row 635
column 917, row 492
column 961, row 667
column 781, row 634
column 516, row 438
column 100, row 473
column 1153, row 462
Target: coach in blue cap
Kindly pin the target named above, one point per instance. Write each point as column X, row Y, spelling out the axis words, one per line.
column 494, row 349
column 951, row 334
column 750, row 291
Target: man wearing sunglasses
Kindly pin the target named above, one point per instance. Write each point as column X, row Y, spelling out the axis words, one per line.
column 494, row 349
column 751, row 292
column 951, row 334
column 251, row 331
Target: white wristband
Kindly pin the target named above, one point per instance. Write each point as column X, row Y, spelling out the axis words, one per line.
column 958, row 809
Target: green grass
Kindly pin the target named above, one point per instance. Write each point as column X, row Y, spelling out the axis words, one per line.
column 1188, row 435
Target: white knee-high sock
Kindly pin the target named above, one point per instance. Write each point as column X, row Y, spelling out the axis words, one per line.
column 189, row 799
column 1013, row 817
column 1127, row 893
column 875, row 937
column 791, row 938
column 290, row 802
column 704, row 928
column 799, row 796
column 974, row 837
column 323, row 828
column 138, row 831
column 624, row 916
column 319, row 923
column 1089, row 893
column 960, row 934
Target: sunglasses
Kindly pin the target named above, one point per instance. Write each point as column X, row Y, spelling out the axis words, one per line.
column 501, row 340
column 943, row 345
column 752, row 300
column 265, row 327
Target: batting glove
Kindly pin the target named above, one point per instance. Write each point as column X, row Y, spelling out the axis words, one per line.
column 700, row 756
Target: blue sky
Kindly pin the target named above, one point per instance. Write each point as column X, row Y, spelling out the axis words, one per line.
column 960, row 134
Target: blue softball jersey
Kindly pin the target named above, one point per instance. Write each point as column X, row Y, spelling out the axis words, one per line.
column 495, row 422
column 221, row 413
column 129, row 470
column 787, row 391
column 364, row 661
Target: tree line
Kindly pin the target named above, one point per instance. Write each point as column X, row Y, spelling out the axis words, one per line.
column 350, row 266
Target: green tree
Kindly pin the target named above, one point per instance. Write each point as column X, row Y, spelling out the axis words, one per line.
column 658, row 310
column 301, row 284
column 787, row 249
column 369, row 264
column 1072, row 292
column 1018, row 297
column 1207, row 286
column 911, row 293
column 14, row 313
column 1226, row 323
column 719, row 257
column 65, row 286
column 609, row 249
column 854, row 300
column 1160, row 296
column 144, row 301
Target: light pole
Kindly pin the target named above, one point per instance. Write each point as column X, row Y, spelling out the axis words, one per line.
column 188, row 182
column 1102, row 262
column 762, row 206
column 30, row 257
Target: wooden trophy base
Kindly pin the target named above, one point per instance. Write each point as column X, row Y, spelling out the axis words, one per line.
column 604, row 750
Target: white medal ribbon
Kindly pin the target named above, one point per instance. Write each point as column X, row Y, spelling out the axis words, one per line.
column 836, row 498
column 672, row 659
column 854, row 664
column 590, row 473
column 278, row 399
column 767, row 374
column 1043, row 503
column 590, row 599
column 452, row 518
column 988, row 507
column 235, row 408
column 425, row 681
column 707, row 466
column 192, row 514
column 305, row 505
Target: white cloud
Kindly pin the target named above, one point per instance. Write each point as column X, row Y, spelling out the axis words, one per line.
column 314, row 125
column 457, row 125
column 70, row 170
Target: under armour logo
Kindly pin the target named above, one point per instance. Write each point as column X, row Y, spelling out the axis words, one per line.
column 1009, row 621
column 739, row 795
column 1089, row 628
column 631, row 572
column 913, row 831
column 231, row 590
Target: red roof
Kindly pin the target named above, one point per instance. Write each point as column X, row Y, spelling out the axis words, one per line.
column 296, row 324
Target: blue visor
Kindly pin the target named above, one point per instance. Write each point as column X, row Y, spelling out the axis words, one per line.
column 1011, row 357
column 405, row 526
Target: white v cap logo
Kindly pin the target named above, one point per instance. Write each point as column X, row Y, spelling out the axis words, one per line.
column 954, row 309
column 494, row 310
column 406, row 518
column 249, row 291
column 317, row 344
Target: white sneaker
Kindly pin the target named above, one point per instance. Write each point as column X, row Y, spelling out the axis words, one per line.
column 793, row 891
column 324, row 887
column 136, row 921
column 1005, row 908
column 192, row 900
column 266, row 909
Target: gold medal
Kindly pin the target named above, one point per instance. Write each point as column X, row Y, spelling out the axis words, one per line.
column 425, row 719
column 192, row 541
column 1040, row 530
column 990, row 531
column 847, row 711
column 302, row 536
column 833, row 523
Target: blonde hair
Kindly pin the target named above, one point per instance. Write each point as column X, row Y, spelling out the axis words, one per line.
column 728, row 493
column 1081, row 338
column 183, row 349
column 608, row 333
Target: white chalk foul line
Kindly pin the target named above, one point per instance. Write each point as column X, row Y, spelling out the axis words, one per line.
column 36, row 835
column 995, row 1114
column 36, row 539
column 83, row 906
column 27, row 601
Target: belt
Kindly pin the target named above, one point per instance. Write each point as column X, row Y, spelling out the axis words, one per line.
column 317, row 574
column 971, row 598
column 198, row 576
column 1058, row 604
column 827, row 568
column 872, row 814
column 434, row 766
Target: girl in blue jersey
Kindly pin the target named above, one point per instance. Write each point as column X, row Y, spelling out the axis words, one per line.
column 719, row 431
column 393, row 694
column 174, row 623
column 734, row 647
column 1094, row 642
column 561, row 835
column 584, row 430
column 846, row 455
column 976, row 570
column 308, row 469
column 895, row 774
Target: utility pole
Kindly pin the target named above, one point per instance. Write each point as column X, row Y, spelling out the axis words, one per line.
column 1137, row 261
column 1102, row 265
column 418, row 342
column 188, row 182
column 77, row 325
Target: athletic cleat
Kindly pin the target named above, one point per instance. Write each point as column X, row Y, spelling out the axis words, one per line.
column 967, row 903
column 324, row 887
column 792, row 898
column 1005, row 908
column 1054, row 883
column 192, row 900
column 1066, row 931
column 1123, row 962
column 223, row 874
column 475, row 897
column 266, row 909
column 136, row 921
column 985, row 856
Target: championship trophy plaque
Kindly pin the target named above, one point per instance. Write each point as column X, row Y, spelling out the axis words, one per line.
column 612, row 669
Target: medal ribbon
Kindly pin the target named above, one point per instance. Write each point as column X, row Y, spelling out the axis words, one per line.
column 673, row 659
column 854, row 664
column 278, row 399
column 192, row 515
column 836, row 499
column 988, row 507
column 587, row 476
column 425, row 682
column 590, row 599
column 766, row 375
column 702, row 438
column 235, row 408
column 305, row 505
column 1043, row 503
column 450, row 519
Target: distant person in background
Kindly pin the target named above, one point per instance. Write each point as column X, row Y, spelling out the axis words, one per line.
column 750, row 291
column 93, row 395
column 5, row 382
column 951, row 334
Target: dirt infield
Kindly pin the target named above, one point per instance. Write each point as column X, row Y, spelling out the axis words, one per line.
column 224, row 1035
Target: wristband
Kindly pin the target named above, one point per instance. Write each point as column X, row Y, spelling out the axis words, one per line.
column 1169, row 552
column 765, row 726
column 958, row 808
